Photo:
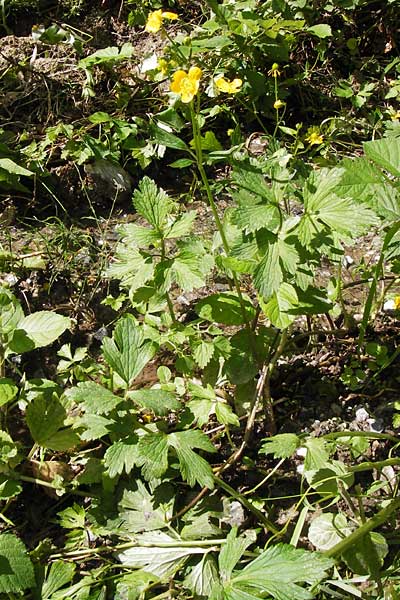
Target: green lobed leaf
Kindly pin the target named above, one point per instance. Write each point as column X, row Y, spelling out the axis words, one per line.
column 16, row 569
column 283, row 445
column 140, row 512
column 37, row 330
column 280, row 307
column 328, row 529
column 366, row 556
column 226, row 308
column 268, row 274
column 11, row 167
column 8, row 452
column 10, row 311
column 60, row 574
column 9, row 488
column 152, row 203
column 202, row 577
column 121, row 456
column 322, row 30
column 44, row 418
column 163, row 556
column 385, row 153
column 277, row 573
column 182, row 225
column 8, row 390
column 94, row 398
column 128, row 352
column 160, row 402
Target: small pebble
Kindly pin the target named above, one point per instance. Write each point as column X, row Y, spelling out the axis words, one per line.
column 361, row 415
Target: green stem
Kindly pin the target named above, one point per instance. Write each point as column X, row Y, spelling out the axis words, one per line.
column 372, row 435
column 167, row 295
column 379, row 519
column 380, row 464
column 211, row 202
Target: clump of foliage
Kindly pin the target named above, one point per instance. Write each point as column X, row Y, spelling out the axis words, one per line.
column 139, row 455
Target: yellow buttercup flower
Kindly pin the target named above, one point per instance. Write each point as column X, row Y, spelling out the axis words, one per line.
column 279, row 104
column 155, row 20
column 229, row 87
column 397, row 302
column 186, row 84
column 314, row 136
column 274, row 71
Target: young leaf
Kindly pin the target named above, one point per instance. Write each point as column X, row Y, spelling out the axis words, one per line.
column 203, row 353
column 16, row 569
column 128, row 352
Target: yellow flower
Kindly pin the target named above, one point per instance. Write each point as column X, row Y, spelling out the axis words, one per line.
column 396, row 116
column 279, row 104
column 397, row 302
column 155, row 20
column 314, row 136
column 229, row 87
column 274, row 71
column 186, row 84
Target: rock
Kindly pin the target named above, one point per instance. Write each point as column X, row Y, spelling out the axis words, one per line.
column 109, row 180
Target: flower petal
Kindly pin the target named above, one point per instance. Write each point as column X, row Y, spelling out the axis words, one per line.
column 177, row 79
column 154, row 21
column 169, row 15
column 195, row 73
